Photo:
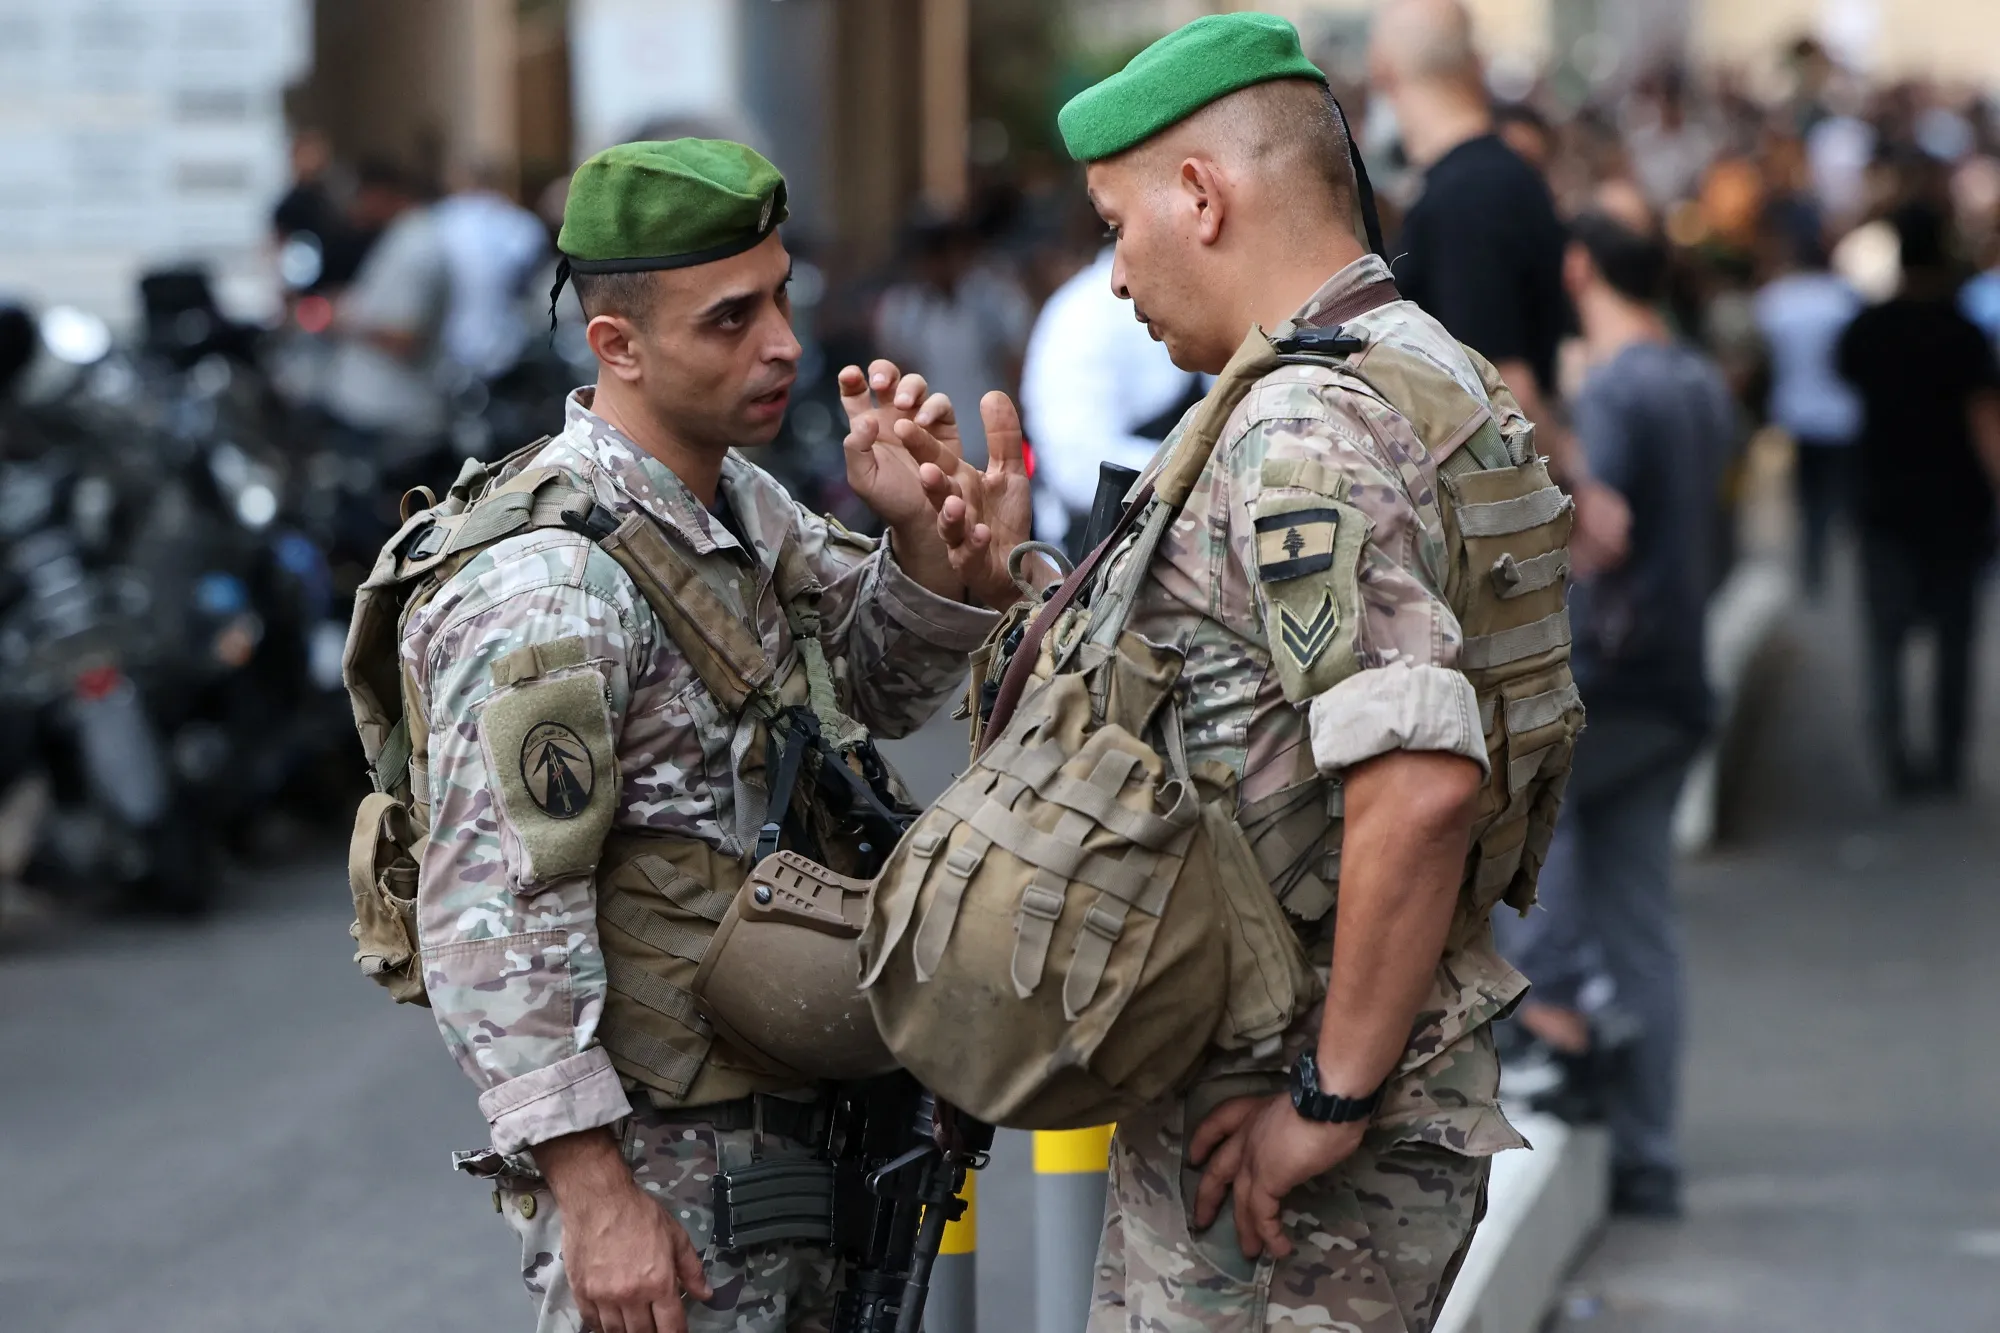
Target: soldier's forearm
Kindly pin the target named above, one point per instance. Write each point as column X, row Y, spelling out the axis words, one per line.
column 1408, row 815
column 920, row 553
column 580, row 1167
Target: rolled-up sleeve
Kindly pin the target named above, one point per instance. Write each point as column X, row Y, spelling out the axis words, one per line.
column 1401, row 707
column 899, row 649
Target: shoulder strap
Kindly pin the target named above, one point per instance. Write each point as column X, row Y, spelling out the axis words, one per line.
column 1162, row 495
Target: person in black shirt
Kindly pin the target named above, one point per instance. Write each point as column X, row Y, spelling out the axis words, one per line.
column 1482, row 248
column 1929, row 468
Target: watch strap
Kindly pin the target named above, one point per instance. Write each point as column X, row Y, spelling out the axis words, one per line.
column 1325, row 1107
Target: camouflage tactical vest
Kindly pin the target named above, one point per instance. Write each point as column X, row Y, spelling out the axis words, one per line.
column 659, row 898
column 1083, row 917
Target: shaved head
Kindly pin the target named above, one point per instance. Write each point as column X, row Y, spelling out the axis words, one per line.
column 1286, row 130
column 1425, row 41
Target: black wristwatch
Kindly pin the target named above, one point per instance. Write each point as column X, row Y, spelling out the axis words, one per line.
column 1324, row 1107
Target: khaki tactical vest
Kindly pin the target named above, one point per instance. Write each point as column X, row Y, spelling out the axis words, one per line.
column 660, row 898
column 1081, row 919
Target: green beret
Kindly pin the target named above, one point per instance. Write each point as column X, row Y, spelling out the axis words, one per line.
column 640, row 206
column 1179, row 75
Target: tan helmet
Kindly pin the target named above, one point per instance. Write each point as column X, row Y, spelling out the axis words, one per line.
column 781, row 980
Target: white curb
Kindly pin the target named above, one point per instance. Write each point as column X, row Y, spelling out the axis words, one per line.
column 1543, row 1209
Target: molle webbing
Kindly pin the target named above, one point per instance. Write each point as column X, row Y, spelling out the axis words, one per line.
column 729, row 659
column 1514, row 645
column 1517, row 578
column 1504, row 518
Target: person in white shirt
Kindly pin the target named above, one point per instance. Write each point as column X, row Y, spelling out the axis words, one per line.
column 1095, row 388
column 492, row 246
column 382, row 379
column 1801, row 314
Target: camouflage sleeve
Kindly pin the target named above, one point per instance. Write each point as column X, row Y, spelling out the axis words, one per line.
column 508, row 918
column 899, row 650
column 1332, row 514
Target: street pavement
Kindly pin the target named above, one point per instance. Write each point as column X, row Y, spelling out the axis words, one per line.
column 1842, row 1095
column 223, row 1128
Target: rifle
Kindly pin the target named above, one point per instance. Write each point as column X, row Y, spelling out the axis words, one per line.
column 879, row 1191
column 899, row 1158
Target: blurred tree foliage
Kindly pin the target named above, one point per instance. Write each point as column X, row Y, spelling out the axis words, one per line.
column 1026, row 62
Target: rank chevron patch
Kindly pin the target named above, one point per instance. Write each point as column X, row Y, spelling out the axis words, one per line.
column 1305, row 640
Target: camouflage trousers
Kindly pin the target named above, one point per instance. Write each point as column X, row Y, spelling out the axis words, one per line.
column 1377, row 1241
column 762, row 1289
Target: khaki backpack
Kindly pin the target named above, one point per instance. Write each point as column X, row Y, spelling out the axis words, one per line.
column 660, row 898
column 1083, row 919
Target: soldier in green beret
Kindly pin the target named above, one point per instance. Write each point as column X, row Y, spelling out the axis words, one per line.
column 597, row 640
column 1365, row 590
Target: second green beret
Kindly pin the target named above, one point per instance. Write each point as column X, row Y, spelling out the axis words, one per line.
column 1178, row 76
column 670, row 204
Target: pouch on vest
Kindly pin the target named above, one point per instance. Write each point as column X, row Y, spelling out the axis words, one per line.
column 1069, row 930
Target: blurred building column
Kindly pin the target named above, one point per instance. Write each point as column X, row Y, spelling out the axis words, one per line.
column 947, row 53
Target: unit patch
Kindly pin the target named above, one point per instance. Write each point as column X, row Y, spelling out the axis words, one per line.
column 558, row 770
column 548, row 744
column 1293, row 544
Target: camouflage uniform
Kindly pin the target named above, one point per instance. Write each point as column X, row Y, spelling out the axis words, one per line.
column 513, row 968
column 1379, row 1238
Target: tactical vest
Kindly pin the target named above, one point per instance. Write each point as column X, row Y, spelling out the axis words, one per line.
column 660, row 898
column 1084, row 918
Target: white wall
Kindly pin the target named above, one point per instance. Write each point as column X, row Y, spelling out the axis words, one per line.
column 138, row 132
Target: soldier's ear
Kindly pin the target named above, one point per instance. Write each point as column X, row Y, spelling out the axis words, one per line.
column 613, row 340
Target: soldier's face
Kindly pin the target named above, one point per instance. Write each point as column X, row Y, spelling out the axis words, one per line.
column 718, row 357
column 1159, row 259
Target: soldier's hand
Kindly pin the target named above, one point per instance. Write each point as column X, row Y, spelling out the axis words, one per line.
column 1258, row 1150
column 628, row 1260
column 981, row 516
column 879, row 466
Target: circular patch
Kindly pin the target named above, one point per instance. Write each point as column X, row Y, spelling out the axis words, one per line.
column 558, row 769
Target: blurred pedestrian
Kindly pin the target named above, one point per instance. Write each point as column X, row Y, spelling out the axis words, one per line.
column 964, row 321
column 1659, row 425
column 1481, row 250
column 382, row 378
column 312, row 211
column 1929, row 466
column 492, row 246
column 1096, row 387
column 1801, row 313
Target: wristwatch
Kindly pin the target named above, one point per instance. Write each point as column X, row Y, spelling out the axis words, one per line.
column 1324, row 1107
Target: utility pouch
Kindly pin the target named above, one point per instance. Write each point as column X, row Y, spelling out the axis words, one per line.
column 785, row 1198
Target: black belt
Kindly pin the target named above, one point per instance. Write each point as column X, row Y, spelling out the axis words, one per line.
column 773, row 1115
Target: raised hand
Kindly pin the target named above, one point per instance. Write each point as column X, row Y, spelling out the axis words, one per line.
column 879, row 466
column 981, row 516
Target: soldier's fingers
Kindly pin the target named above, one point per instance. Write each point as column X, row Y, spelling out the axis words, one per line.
column 1270, row 1227
column 938, row 485
column 1248, row 1239
column 953, row 528
column 687, row 1265
column 608, row 1318
column 937, row 411
column 1215, row 1182
column 924, row 446
column 854, row 397
column 1003, row 433
column 911, row 390
column 1219, row 1124
column 668, row 1317
column 882, row 377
